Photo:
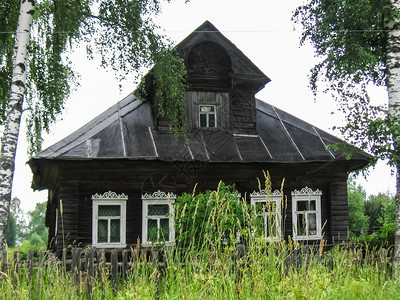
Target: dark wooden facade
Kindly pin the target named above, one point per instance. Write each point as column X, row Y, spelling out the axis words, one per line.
column 128, row 150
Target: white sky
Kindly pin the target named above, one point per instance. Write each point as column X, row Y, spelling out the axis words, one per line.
column 261, row 29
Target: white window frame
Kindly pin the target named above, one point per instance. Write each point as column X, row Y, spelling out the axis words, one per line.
column 158, row 198
column 264, row 196
column 109, row 198
column 208, row 115
column 307, row 194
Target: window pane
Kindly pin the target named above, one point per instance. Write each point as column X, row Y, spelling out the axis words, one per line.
column 305, row 205
column 211, row 120
column 301, row 225
column 312, row 224
column 109, row 210
column 206, row 108
column 158, row 210
column 152, row 230
column 164, row 231
column 115, row 231
column 203, row 120
column 102, row 231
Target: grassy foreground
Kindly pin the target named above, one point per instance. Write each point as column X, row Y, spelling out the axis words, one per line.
column 211, row 267
column 268, row 271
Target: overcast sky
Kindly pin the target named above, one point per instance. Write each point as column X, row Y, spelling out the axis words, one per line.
column 261, row 29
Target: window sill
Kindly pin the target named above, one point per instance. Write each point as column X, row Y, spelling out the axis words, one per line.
column 150, row 244
column 307, row 238
column 117, row 245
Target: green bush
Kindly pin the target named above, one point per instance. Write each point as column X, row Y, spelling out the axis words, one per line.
column 384, row 238
column 212, row 218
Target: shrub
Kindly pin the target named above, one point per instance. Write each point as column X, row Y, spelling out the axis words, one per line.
column 207, row 219
column 384, row 238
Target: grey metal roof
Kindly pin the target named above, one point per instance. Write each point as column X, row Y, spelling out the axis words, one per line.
column 125, row 131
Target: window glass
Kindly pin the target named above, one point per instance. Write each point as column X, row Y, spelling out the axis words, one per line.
column 207, row 116
column 115, row 229
column 158, row 210
column 312, row 224
column 306, row 205
column 109, row 210
column 152, row 230
column 164, row 229
column 301, row 224
column 102, row 231
column 203, row 120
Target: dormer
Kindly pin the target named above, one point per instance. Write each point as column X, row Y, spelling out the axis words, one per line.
column 222, row 84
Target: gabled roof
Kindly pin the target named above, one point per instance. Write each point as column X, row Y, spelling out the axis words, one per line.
column 242, row 68
column 125, row 131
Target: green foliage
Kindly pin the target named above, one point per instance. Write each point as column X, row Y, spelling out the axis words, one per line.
column 359, row 222
column 377, row 216
column 388, row 211
column 209, row 219
column 122, row 32
column 273, row 271
column 18, row 219
column 9, row 11
column 374, row 210
column 169, row 80
column 351, row 38
column 11, row 233
column 37, row 232
column 384, row 238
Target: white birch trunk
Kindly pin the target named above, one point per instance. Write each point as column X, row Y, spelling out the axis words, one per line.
column 393, row 64
column 14, row 112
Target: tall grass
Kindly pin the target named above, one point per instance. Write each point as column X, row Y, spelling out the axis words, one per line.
column 207, row 264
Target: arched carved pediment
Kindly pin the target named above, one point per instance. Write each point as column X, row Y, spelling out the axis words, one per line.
column 208, row 58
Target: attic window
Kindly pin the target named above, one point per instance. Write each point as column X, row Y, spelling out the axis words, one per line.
column 207, row 116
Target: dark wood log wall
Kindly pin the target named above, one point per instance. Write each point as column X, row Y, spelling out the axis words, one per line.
column 243, row 116
column 77, row 204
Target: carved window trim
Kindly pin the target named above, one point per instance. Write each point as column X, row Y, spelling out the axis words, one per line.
column 158, row 198
column 273, row 198
column 109, row 199
column 307, row 196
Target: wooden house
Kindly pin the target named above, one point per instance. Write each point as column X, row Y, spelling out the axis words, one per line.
column 116, row 176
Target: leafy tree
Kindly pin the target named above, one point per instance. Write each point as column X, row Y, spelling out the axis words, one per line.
column 36, row 75
column 389, row 212
column 358, row 42
column 359, row 222
column 37, row 230
column 19, row 216
column 11, row 233
column 374, row 209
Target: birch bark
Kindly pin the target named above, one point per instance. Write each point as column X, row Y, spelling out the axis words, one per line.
column 14, row 112
column 393, row 64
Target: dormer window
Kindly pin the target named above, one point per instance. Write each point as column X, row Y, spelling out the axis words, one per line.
column 207, row 116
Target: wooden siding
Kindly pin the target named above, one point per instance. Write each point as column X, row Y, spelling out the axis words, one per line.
column 219, row 99
column 80, row 181
column 339, row 211
column 243, row 115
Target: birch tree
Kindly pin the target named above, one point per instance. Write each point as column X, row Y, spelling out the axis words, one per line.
column 39, row 79
column 13, row 112
column 358, row 42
